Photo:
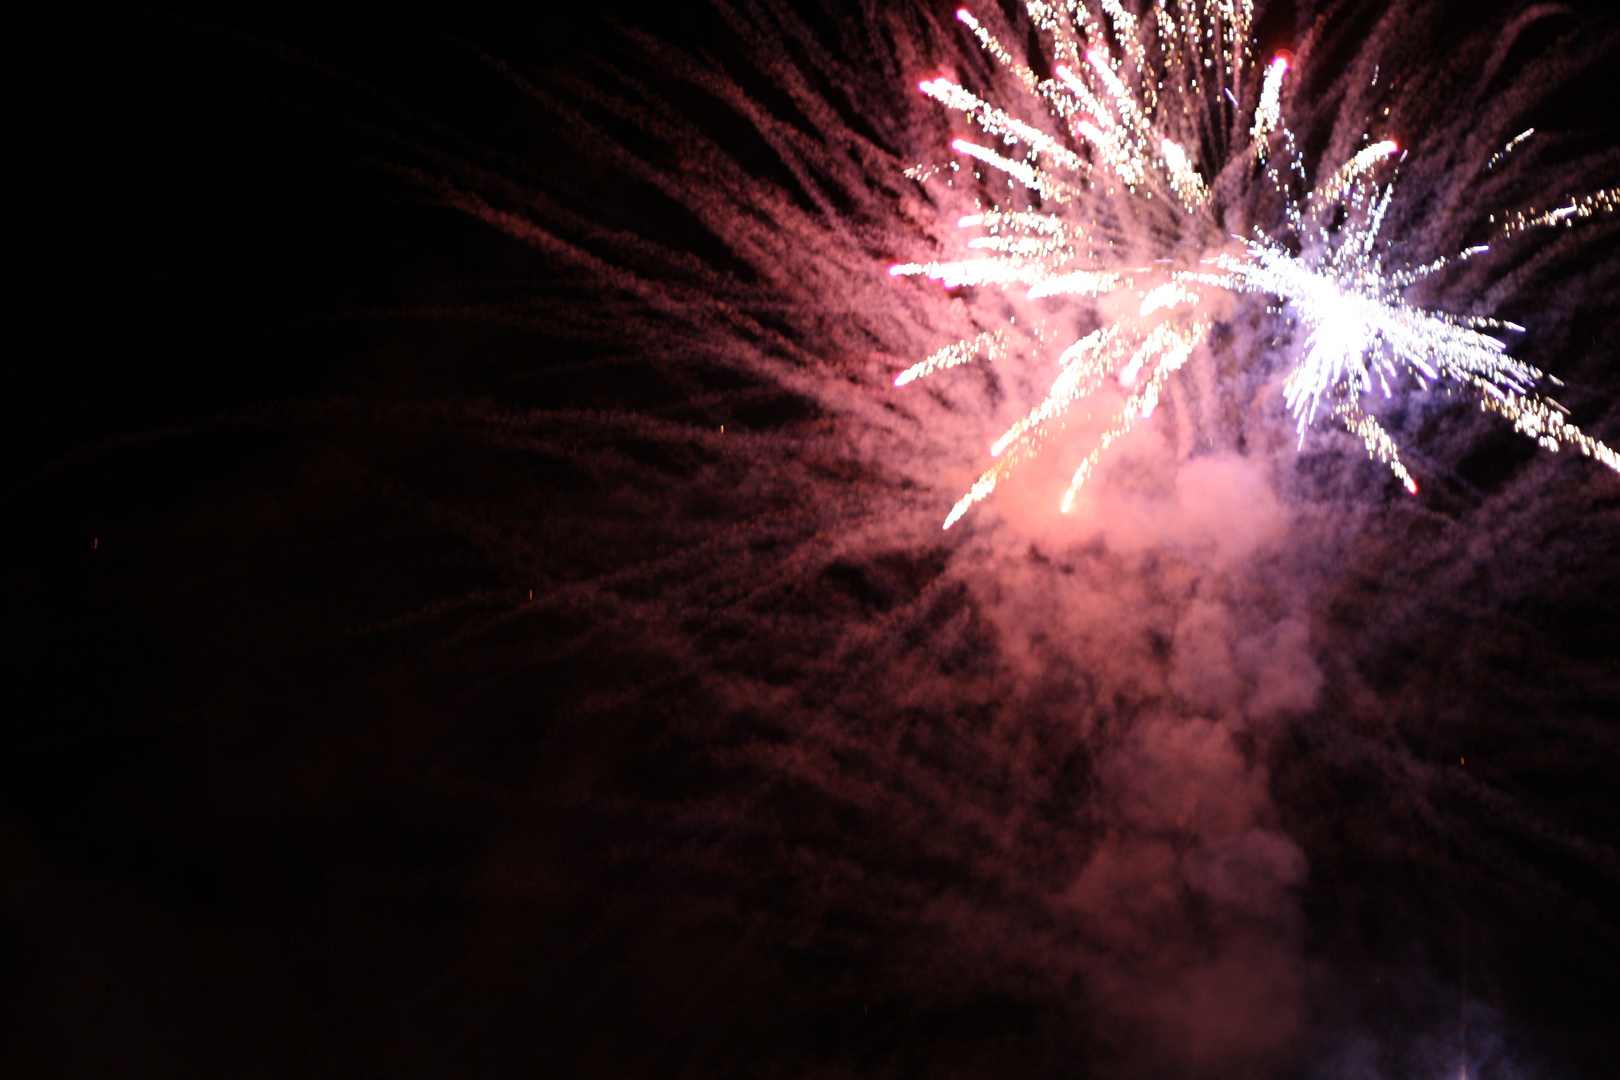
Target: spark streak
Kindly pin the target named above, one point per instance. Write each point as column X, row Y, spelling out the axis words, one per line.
column 1117, row 160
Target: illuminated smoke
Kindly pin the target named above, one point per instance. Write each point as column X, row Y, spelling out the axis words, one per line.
column 1056, row 736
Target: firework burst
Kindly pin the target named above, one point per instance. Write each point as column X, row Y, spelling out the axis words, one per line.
column 1121, row 194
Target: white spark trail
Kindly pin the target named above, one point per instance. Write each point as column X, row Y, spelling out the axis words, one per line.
column 1126, row 124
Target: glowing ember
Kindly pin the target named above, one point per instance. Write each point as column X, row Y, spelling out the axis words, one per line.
column 1119, row 197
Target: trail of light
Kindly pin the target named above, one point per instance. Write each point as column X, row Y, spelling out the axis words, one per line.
column 962, row 352
column 1118, row 150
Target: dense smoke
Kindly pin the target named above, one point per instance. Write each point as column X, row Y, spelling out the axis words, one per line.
column 1253, row 765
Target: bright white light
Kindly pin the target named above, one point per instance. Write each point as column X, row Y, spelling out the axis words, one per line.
column 1136, row 165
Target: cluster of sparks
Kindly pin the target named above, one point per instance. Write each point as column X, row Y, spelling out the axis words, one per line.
column 1120, row 194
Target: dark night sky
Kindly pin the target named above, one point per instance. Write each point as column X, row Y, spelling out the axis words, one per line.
column 287, row 789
